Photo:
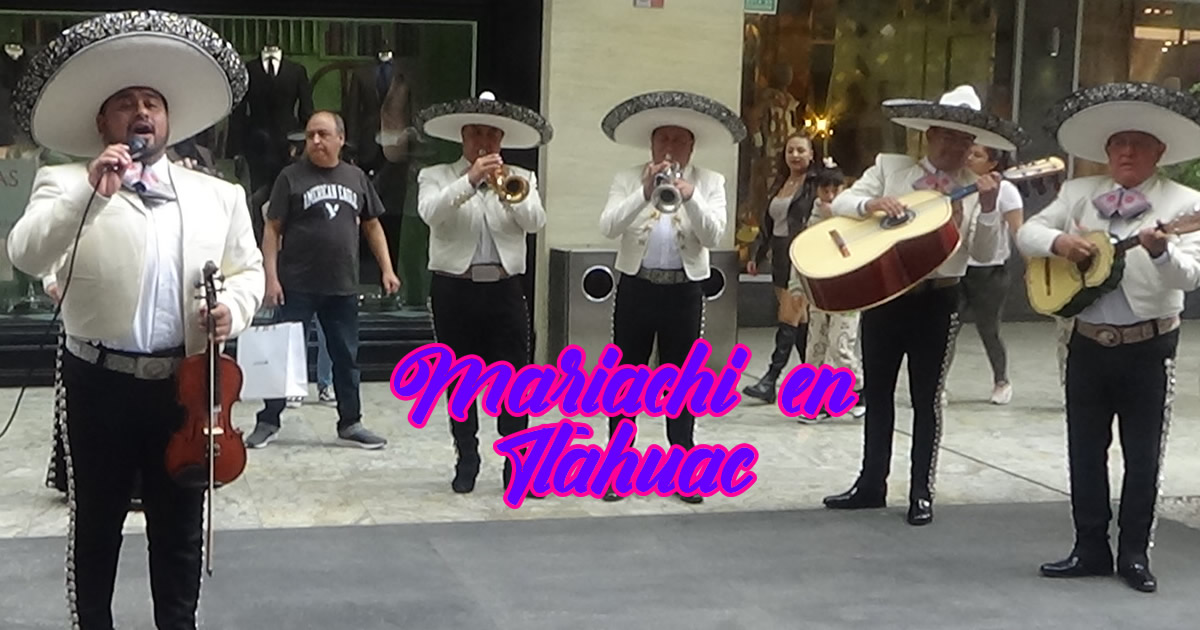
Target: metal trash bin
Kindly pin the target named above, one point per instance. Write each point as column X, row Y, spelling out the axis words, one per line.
column 583, row 290
column 720, row 327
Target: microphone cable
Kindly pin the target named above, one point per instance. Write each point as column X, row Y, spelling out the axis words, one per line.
column 137, row 150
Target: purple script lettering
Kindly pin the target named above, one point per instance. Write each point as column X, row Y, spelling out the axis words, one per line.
column 806, row 389
column 546, row 461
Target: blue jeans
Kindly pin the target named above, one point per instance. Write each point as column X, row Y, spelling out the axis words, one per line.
column 338, row 317
column 324, row 363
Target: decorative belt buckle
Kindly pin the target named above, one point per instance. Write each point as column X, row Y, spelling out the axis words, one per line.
column 153, row 368
column 1108, row 336
column 485, row 273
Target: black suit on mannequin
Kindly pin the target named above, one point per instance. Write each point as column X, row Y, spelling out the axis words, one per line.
column 379, row 91
column 273, row 108
column 368, row 87
column 10, row 72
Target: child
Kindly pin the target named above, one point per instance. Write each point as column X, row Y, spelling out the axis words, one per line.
column 832, row 337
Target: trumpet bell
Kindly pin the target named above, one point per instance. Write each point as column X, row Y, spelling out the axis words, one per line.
column 510, row 188
column 666, row 199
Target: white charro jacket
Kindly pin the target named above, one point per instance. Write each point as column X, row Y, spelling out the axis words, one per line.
column 699, row 224
column 106, row 280
column 1153, row 290
column 457, row 215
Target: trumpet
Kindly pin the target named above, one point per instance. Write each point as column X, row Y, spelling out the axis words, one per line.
column 508, row 187
column 666, row 197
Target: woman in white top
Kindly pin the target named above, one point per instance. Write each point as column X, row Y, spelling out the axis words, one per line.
column 985, row 286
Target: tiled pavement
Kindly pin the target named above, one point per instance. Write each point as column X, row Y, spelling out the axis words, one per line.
column 991, row 454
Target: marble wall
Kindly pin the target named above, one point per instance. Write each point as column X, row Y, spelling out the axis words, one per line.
column 595, row 54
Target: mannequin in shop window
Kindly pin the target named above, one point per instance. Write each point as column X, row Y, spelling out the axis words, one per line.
column 279, row 99
column 364, row 103
column 378, row 109
column 12, row 65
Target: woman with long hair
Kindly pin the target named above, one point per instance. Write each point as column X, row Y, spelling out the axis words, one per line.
column 786, row 215
column 985, row 286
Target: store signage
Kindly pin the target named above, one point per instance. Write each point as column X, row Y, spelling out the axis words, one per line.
column 762, row 6
column 16, row 184
column 648, row 4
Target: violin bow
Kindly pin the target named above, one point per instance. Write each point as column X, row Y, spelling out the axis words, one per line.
column 211, row 274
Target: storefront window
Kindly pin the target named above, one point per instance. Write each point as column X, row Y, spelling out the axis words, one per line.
column 1151, row 42
column 824, row 66
column 341, row 62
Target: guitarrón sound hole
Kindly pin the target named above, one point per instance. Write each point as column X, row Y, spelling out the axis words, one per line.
column 890, row 221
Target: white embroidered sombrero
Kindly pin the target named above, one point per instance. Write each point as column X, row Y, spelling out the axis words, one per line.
column 961, row 110
column 633, row 121
column 1084, row 121
column 523, row 128
column 199, row 74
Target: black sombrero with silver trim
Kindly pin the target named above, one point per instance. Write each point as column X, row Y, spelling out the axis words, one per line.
column 198, row 73
column 632, row 122
column 961, row 110
column 523, row 128
column 1084, row 121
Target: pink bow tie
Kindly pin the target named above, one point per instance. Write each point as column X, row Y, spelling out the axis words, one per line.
column 1123, row 202
column 938, row 181
column 146, row 184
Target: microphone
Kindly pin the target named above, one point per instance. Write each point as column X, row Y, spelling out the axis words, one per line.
column 138, row 148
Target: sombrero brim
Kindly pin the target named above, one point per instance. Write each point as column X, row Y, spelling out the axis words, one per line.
column 632, row 122
column 1084, row 121
column 523, row 128
column 989, row 130
column 199, row 74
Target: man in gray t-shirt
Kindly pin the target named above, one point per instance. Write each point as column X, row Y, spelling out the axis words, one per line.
column 310, row 255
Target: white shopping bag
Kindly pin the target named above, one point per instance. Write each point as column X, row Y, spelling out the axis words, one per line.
column 273, row 361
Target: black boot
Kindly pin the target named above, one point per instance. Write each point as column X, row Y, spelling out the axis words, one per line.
column 465, row 472
column 764, row 389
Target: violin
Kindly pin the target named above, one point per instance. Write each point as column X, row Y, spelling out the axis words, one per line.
column 207, row 451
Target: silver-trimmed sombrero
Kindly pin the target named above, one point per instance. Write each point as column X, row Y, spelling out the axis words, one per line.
column 632, row 122
column 199, row 74
column 961, row 110
column 1084, row 121
column 523, row 128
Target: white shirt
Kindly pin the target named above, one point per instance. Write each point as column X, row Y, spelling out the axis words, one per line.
column 1009, row 200
column 486, row 252
column 662, row 252
column 158, row 318
column 277, row 56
